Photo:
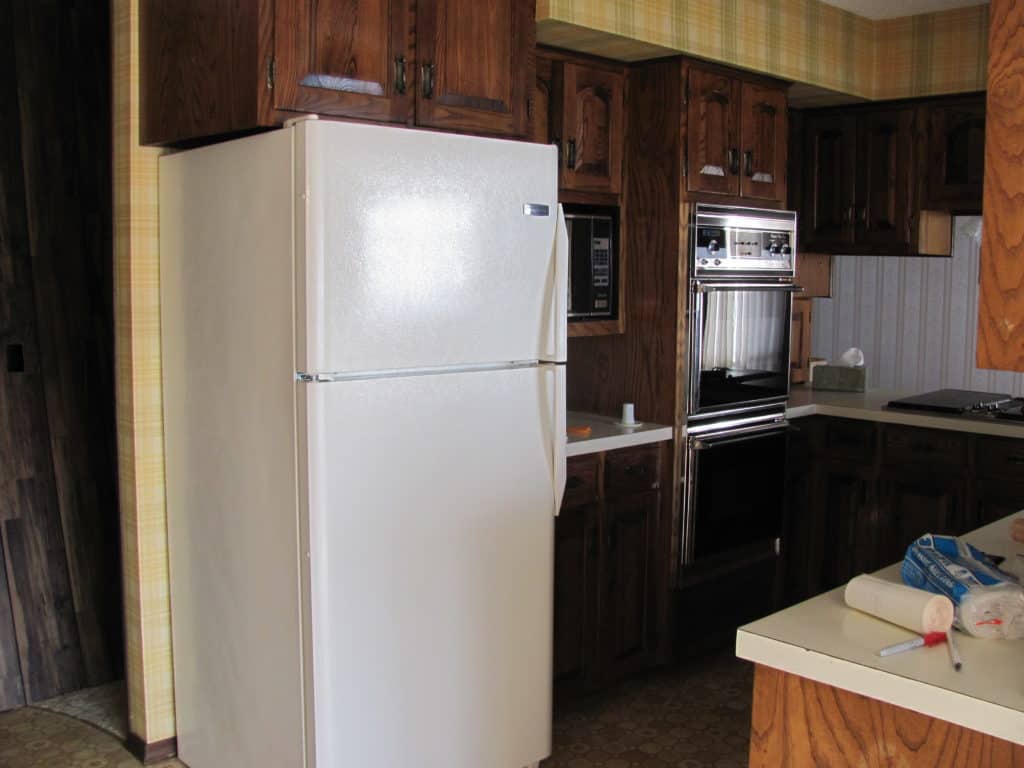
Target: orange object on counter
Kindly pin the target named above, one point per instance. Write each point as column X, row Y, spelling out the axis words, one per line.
column 1017, row 529
column 579, row 431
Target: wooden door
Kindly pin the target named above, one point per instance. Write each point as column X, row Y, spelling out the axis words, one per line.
column 956, row 156
column 712, row 125
column 1001, row 302
column 475, row 65
column 827, row 215
column 593, row 128
column 625, row 603
column 884, row 175
column 913, row 503
column 576, row 584
column 350, row 58
column 763, row 126
column 800, row 341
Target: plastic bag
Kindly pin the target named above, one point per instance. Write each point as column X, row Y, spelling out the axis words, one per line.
column 989, row 602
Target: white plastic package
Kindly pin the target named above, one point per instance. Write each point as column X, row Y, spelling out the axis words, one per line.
column 989, row 601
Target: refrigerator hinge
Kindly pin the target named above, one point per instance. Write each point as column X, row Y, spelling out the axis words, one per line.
column 271, row 72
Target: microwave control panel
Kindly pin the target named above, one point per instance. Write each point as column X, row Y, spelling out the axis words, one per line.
column 732, row 240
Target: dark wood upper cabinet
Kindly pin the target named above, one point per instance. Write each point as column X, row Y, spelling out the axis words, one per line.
column 826, row 216
column 214, row 68
column 956, row 155
column 764, row 145
column 592, row 128
column 475, row 64
column 542, row 102
column 350, row 58
column 883, row 184
column 712, row 124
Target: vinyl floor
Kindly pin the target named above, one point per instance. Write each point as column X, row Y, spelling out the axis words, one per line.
column 693, row 716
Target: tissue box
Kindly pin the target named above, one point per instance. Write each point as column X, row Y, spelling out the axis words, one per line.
column 840, row 378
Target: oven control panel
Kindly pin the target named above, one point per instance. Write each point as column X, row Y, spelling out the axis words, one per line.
column 743, row 241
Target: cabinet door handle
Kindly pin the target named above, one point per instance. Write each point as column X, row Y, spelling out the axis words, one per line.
column 734, row 161
column 400, row 74
column 748, row 163
column 864, row 215
column 848, row 215
column 428, row 81
column 570, row 154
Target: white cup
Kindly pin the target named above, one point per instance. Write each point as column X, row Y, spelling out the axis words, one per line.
column 628, row 415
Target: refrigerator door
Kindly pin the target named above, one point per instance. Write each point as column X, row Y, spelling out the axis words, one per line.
column 431, row 502
column 423, row 249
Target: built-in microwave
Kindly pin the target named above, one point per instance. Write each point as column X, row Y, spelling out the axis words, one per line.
column 593, row 262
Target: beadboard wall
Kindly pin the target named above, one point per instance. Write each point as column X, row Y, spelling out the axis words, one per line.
column 915, row 318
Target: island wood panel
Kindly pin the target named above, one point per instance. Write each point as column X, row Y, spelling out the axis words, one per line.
column 12, row 691
column 1001, row 302
column 799, row 722
column 61, row 541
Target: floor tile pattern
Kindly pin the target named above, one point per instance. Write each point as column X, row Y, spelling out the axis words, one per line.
column 693, row 716
column 105, row 706
column 37, row 738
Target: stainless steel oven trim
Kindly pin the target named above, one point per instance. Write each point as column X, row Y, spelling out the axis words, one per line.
column 717, row 438
column 696, row 343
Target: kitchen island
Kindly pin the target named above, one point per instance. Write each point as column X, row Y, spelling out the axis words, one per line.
column 822, row 695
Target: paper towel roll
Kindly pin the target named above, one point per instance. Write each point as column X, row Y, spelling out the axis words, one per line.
column 915, row 609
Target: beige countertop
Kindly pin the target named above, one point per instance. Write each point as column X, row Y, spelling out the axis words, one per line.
column 870, row 406
column 607, row 434
column 823, row 640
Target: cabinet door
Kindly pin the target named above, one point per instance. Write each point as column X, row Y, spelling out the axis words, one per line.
column 956, row 156
column 827, row 215
column 625, row 604
column 883, row 187
column 593, row 128
column 913, row 504
column 476, row 64
column 712, row 145
column 542, row 102
column 576, row 584
column 800, row 341
column 993, row 499
column 351, row 58
column 763, row 125
column 846, row 498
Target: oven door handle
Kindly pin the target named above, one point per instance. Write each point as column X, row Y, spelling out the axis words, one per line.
column 710, row 287
column 741, row 435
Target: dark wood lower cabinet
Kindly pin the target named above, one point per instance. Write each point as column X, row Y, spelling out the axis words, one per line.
column 605, row 590
column 859, row 492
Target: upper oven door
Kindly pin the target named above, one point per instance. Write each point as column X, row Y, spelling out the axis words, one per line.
column 739, row 345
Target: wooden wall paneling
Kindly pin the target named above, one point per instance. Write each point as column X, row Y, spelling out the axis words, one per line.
column 63, row 66
column 12, row 690
column 798, row 722
column 1001, row 308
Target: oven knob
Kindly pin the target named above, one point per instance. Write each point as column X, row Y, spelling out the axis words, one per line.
column 786, row 250
column 703, row 261
column 775, row 248
column 718, row 262
column 713, row 246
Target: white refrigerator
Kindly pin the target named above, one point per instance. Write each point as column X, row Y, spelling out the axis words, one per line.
column 363, row 342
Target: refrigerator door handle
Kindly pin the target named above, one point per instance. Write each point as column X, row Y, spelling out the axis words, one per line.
column 560, row 301
column 558, row 474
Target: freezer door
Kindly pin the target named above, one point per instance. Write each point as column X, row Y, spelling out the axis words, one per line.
column 424, row 249
column 431, row 502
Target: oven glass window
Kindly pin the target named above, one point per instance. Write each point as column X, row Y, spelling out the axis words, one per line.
column 744, row 347
column 739, row 488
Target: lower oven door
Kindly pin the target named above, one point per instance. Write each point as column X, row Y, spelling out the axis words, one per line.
column 739, row 345
column 734, row 500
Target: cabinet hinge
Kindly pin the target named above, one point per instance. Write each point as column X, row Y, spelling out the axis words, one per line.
column 529, row 107
column 271, row 72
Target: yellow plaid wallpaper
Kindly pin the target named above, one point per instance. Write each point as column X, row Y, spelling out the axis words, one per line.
column 805, row 41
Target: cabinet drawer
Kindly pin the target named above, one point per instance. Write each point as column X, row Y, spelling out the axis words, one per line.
column 631, row 469
column 912, row 445
column 999, row 457
column 850, row 439
column 581, row 473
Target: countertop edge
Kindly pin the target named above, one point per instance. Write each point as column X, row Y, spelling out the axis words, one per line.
column 951, row 424
column 954, row 707
column 612, row 442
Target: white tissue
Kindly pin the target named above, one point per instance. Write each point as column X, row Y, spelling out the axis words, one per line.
column 852, row 357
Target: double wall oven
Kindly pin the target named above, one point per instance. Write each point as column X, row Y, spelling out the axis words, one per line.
column 740, row 306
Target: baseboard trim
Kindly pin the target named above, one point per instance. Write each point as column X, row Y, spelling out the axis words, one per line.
column 153, row 751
